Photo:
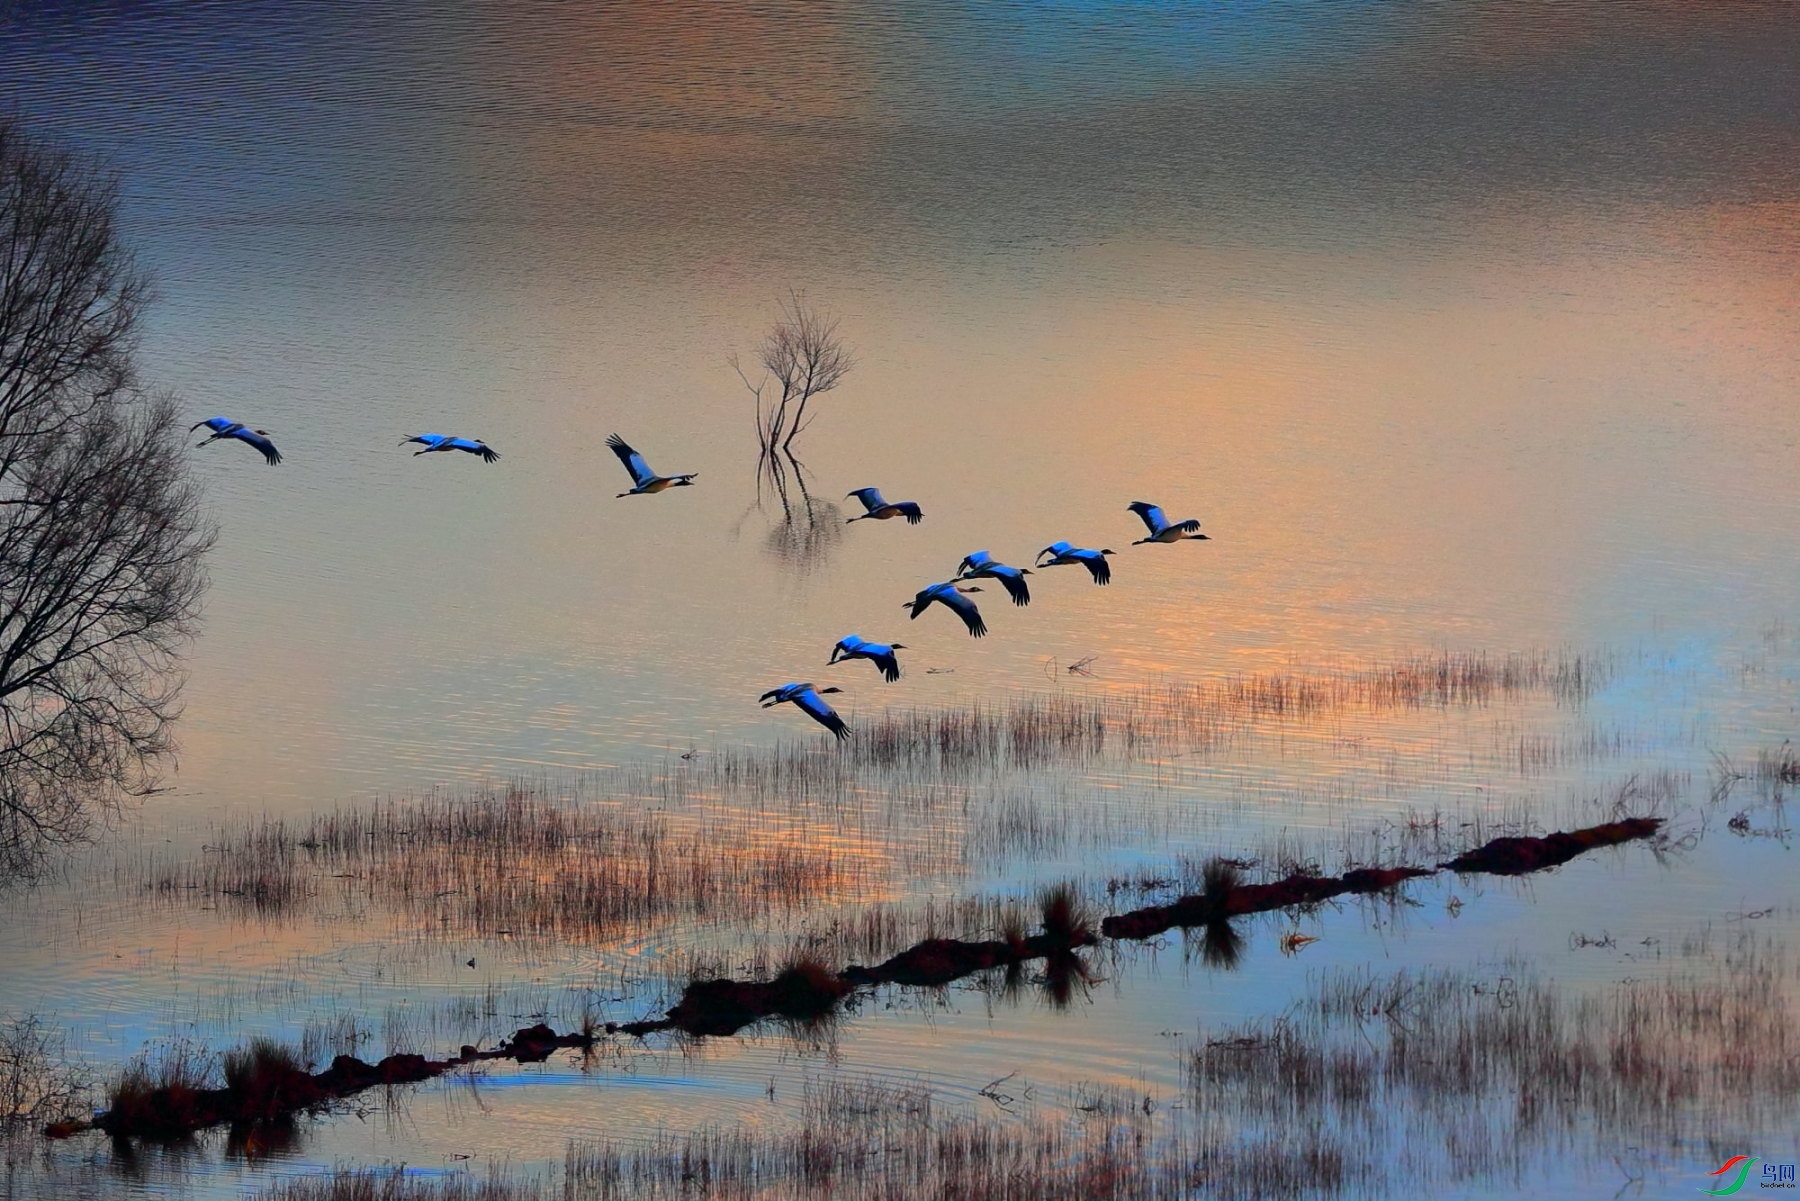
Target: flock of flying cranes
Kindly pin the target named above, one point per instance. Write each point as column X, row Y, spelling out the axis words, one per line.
column 951, row 593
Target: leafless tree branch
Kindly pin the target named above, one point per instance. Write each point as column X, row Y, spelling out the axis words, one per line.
column 804, row 357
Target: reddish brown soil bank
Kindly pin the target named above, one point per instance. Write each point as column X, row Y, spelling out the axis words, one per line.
column 1517, row 856
column 273, row 1093
column 1253, row 898
column 1502, row 856
column 807, row 991
column 810, row 991
column 941, row 960
column 720, row 1007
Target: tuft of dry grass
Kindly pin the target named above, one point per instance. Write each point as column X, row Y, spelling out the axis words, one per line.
column 1219, row 878
column 159, row 1093
column 1064, row 915
column 809, row 989
column 1778, row 765
column 244, row 1067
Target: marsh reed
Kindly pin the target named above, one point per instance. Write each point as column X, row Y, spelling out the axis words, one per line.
column 746, row 832
column 515, row 862
column 1485, row 1076
column 1061, row 728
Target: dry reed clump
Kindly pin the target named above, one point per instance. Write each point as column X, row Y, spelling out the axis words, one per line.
column 1064, row 915
column 748, row 831
column 1219, row 878
column 1779, row 765
column 160, row 1093
column 1488, row 1077
column 264, row 1078
column 514, row 862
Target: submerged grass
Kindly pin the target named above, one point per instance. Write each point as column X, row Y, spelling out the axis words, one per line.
column 515, row 862
column 1037, row 729
column 1469, row 1076
column 397, row 1184
column 747, row 833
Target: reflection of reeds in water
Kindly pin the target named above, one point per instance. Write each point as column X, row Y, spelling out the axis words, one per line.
column 882, row 1142
column 1372, row 1086
column 886, row 1143
column 395, row 1184
column 516, row 863
column 1038, row 729
column 1778, row 765
column 1487, row 1077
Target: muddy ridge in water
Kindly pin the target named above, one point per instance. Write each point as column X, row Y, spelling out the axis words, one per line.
column 1495, row 1074
column 1500, row 856
column 274, row 1086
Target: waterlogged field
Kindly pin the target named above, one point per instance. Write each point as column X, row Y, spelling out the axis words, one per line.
column 1620, row 1018
column 1425, row 831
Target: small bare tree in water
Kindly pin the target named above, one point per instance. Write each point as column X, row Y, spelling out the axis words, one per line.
column 802, row 357
column 101, row 537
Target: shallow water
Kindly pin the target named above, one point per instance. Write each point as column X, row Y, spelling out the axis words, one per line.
column 1464, row 327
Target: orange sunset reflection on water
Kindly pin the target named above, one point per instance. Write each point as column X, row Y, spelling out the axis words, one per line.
column 1467, row 332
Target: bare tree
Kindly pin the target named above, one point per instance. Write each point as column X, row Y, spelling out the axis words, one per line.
column 101, row 538
column 802, row 357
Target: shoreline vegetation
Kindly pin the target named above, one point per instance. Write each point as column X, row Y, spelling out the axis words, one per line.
column 1371, row 1084
column 761, row 837
column 265, row 1082
column 755, row 831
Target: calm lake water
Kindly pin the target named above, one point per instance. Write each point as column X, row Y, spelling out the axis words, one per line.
column 1462, row 327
